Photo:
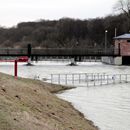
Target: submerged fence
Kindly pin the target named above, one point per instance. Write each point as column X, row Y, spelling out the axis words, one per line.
column 88, row 79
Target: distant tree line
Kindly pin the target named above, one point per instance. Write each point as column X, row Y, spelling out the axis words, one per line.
column 66, row 32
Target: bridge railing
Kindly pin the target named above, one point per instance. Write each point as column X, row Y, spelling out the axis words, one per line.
column 74, row 52
column 59, row 52
column 12, row 51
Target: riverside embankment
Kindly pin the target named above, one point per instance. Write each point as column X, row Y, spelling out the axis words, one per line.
column 27, row 104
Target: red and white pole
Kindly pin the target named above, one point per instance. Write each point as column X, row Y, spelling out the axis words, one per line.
column 15, row 69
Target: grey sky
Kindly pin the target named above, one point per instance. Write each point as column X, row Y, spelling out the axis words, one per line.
column 15, row 11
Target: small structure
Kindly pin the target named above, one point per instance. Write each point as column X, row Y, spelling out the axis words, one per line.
column 121, row 43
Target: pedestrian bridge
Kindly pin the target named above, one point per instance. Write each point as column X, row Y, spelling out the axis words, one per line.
column 33, row 52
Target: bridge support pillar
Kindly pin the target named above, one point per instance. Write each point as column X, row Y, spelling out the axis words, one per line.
column 29, row 55
column 73, row 62
column 29, row 63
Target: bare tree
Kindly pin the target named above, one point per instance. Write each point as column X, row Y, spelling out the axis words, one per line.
column 123, row 6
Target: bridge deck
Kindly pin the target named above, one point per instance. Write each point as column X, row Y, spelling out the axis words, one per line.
column 58, row 52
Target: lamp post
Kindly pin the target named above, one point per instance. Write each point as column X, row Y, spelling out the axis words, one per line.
column 115, row 32
column 105, row 40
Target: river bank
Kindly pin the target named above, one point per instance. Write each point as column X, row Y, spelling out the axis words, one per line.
column 27, row 104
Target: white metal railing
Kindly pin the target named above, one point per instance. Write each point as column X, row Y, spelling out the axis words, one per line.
column 88, row 79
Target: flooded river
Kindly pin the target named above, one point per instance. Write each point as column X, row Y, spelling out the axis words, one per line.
column 108, row 106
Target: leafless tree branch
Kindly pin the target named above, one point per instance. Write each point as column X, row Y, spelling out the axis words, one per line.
column 123, row 6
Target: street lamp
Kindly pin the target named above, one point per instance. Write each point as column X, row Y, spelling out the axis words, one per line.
column 105, row 40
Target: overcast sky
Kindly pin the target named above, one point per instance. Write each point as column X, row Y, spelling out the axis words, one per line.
column 15, row 11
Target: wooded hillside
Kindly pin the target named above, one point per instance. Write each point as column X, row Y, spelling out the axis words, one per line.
column 65, row 32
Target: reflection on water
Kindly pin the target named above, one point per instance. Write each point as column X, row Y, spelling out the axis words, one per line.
column 107, row 106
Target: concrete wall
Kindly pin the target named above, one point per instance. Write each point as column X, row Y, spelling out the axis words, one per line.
column 112, row 60
column 118, row 60
column 108, row 60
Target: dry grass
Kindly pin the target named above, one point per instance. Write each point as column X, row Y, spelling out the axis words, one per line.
column 27, row 104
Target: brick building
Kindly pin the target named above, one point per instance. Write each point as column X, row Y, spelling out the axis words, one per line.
column 122, row 44
column 123, row 41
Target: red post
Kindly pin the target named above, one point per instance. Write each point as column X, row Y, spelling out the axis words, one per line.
column 15, row 69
